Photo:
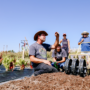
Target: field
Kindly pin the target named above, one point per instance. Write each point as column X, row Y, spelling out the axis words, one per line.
column 48, row 81
column 18, row 55
column 26, row 56
column 52, row 81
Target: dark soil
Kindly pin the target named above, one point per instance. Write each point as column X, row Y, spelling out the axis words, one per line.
column 50, row 81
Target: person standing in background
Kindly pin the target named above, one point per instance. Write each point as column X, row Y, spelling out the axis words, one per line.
column 85, row 42
column 65, row 44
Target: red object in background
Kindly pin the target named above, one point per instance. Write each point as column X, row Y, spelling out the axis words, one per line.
column 1, row 56
column 11, row 66
column 24, row 43
column 23, row 66
column 31, row 66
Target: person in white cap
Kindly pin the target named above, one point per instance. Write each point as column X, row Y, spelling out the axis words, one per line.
column 38, row 53
column 84, row 42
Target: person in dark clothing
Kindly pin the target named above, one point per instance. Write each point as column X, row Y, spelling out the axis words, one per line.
column 38, row 53
column 65, row 44
column 59, row 56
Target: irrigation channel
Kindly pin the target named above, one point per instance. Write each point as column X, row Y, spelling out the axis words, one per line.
column 15, row 74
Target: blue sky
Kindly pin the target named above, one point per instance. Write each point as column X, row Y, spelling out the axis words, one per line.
column 23, row 18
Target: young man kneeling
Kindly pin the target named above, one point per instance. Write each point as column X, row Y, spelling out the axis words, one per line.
column 38, row 53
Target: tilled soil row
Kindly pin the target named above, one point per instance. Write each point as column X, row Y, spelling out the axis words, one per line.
column 49, row 81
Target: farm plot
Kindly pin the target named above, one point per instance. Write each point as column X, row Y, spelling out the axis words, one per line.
column 49, row 81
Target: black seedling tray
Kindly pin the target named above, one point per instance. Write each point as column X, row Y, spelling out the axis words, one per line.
column 16, row 74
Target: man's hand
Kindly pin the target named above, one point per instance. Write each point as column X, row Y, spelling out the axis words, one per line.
column 56, row 42
column 82, row 40
column 57, row 62
column 69, row 51
column 47, row 62
column 56, row 34
column 54, row 61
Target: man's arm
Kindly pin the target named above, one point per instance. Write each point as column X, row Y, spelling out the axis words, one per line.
column 54, row 60
column 56, row 42
column 36, row 60
column 53, row 55
column 69, row 46
column 60, row 41
column 80, row 41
